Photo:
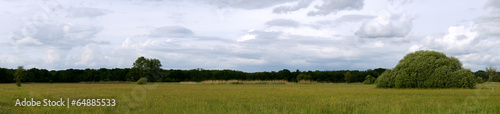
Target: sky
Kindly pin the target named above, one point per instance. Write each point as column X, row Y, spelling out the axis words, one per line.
column 246, row 35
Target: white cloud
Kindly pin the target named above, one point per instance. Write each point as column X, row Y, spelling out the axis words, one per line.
column 248, row 36
column 386, row 25
column 466, row 44
column 27, row 41
column 459, row 40
column 334, row 6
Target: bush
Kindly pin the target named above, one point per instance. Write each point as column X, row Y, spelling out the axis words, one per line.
column 369, row 80
column 427, row 69
column 479, row 80
column 142, row 81
column 18, row 84
column 302, row 77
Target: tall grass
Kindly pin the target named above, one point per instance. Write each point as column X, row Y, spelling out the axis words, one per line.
column 255, row 98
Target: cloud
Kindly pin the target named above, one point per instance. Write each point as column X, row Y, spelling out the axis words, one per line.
column 283, row 23
column 461, row 41
column 286, row 9
column 334, row 6
column 493, row 3
column 82, row 12
column 489, row 24
column 343, row 20
column 56, row 35
column 386, row 25
column 90, row 57
column 171, row 31
column 247, row 4
column 353, row 18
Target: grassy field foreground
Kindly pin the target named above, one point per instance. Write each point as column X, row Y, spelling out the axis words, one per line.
column 254, row 98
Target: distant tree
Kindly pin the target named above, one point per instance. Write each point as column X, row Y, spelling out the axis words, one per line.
column 347, row 77
column 303, row 77
column 144, row 67
column 493, row 74
column 482, row 74
column 479, row 80
column 287, row 75
column 19, row 75
column 369, row 80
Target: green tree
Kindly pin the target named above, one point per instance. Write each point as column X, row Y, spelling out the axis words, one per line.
column 369, row 79
column 493, row 74
column 144, row 67
column 427, row 69
column 347, row 77
column 19, row 75
column 482, row 74
column 479, row 80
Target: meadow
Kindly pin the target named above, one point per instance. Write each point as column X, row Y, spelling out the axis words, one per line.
column 253, row 98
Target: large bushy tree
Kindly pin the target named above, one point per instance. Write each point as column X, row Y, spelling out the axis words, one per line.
column 427, row 69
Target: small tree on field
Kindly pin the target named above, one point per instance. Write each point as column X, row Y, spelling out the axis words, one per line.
column 348, row 77
column 369, row 80
column 19, row 75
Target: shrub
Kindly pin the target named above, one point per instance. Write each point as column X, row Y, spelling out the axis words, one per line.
column 427, row 69
column 142, row 81
column 18, row 84
column 302, row 77
column 369, row 80
column 479, row 80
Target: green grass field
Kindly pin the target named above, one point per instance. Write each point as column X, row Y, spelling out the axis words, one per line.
column 254, row 98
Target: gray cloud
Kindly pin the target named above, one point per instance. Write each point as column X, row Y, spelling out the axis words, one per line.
column 386, row 25
column 283, row 23
column 342, row 20
column 333, row 6
column 493, row 3
column 286, row 9
column 171, row 31
column 85, row 12
column 353, row 18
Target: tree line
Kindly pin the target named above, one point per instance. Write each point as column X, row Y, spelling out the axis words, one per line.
column 175, row 75
column 150, row 69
